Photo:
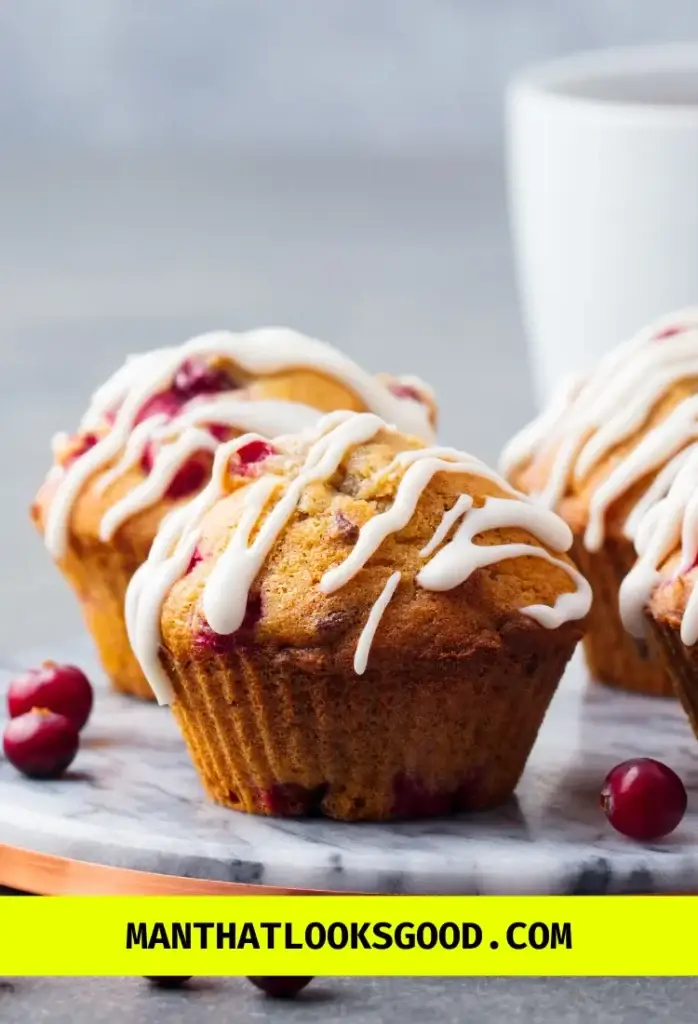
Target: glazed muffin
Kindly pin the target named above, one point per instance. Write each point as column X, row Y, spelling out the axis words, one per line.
column 660, row 593
column 145, row 447
column 358, row 626
column 605, row 451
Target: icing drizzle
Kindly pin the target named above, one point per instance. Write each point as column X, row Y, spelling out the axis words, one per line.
column 590, row 417
column 269, row 503
column 669, row 525
column 254, row 353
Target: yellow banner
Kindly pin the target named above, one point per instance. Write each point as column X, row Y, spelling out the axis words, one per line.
column 348, row 935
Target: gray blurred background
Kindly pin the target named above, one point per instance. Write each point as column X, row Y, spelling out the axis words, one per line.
column 168, row 167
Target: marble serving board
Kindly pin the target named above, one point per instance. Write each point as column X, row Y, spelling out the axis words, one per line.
column 134, row 801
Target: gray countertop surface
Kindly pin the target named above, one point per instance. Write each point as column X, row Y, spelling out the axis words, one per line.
column 403, row 263
column 364, row 1000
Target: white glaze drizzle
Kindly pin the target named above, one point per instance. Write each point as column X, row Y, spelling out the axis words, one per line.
column 450, row 517
column 167, row 562
column 254, row 353
column 523, row 445
column 639, row 519
column 228, row 586
column 368, row 633
column 670, row 524
column 153, row 488
column 657, row 448
column 589, row 418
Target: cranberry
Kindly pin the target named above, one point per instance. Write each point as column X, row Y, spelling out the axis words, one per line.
column 343, row 528
column 167, row 403
column 280, row 988
column 168, row 981
column 40, row 744
column 668, row 332
column 411, row 799
column 84, row 444
column 223, row 643
column 643, row 799
column 220, row 431
column 195, row 377
column 405, row 391
column 194, row 560
column 63, row 689
column 189, row 478
column 254, row 451
column 290, row 800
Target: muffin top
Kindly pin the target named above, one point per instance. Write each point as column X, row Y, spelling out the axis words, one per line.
column 346, row 539
column 663, row 580
column 147, row 440
column 611, row 443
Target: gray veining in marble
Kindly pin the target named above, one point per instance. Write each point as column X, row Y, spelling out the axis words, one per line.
column 133, row 800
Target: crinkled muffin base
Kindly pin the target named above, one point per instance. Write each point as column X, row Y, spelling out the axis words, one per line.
column 681, row 664
column 613, row 655
column 100, row 574
column 294, row 732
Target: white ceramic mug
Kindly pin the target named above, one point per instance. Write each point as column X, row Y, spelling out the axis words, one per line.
column 603, row 183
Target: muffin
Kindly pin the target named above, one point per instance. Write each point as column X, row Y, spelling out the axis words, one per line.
column 357, row 626
column 659, row 593
column 605, row 451
column 145, row 447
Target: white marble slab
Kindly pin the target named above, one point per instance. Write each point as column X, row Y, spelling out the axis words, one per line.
column 133, row 800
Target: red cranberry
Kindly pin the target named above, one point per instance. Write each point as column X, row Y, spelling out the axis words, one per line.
column 280, row 988
column 195, row 377
column 40, row 744
column 223, row 643
column 167, row 981
column 220, row 431
column 189, row 478
column 405, row 391
column 668, row 332
column 167, row 403
column 63, row 689
column 643, row 799
column 254, row 451
column 194, row 560
column 86, row 442
column 290, row 800
column 411, row 799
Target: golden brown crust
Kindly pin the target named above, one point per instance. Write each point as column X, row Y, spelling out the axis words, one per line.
column 457, row 682
column 309, row 546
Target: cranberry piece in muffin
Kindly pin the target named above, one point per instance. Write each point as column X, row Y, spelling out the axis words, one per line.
column 188, row 479
column 83, row 444
column 195, row 377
